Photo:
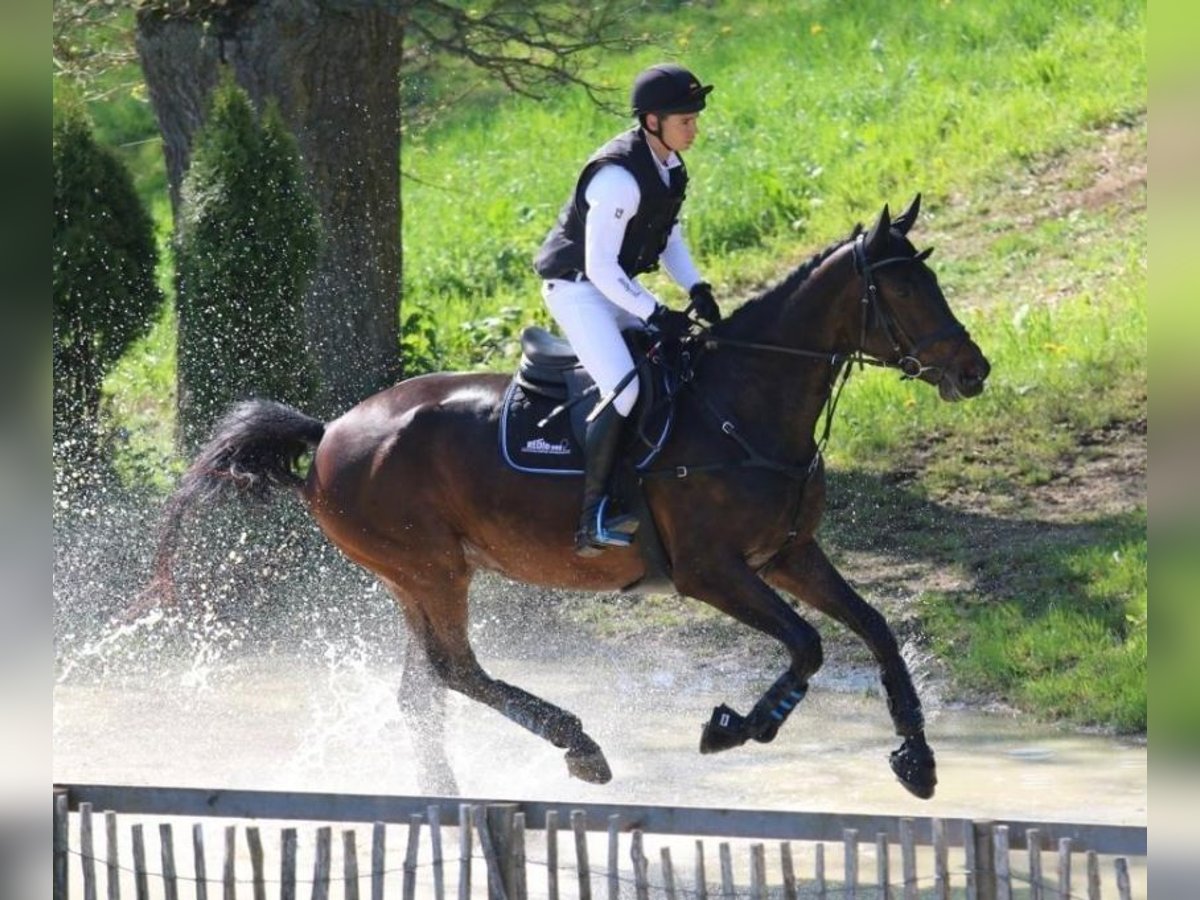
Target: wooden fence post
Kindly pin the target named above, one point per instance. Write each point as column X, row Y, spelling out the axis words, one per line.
column 668, row 871
column 614, row 857
column 701, row 876
column 141, row 881
column 981, row 832
column 908, row 859
column 1093, row 875
column 727, row 888
column 112, row 853
column 62, row 822
column 350, row 863
column 199, row 862
column 229, row 865
column 1064, row 868
column 254, row 843
column 518, row 855
column 640, row 865
column 501, row 827
column 551, row 854
column 850, row 854
column 378, row 858
column 1121, row 865
column 87, row 850
column 464, row 852
column 881, row 866
column 166, row 847
column 579, row 827
column 758, row 872
column 819, row 870
column 941, row 861
column 287, row 864
column 969, row 861
column 409, row 887
column 483, row 828
column 434, row 814
column 1033, row 839
column 1003, row 869
column 321, row 864
column 789, row 871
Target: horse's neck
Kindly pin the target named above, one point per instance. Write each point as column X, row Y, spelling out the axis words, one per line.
column 786, row 392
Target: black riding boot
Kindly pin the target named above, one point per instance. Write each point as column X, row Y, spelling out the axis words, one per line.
column 596, row 530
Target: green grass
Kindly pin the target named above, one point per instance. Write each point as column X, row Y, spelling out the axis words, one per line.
column 1063, row 632
column 823, row 112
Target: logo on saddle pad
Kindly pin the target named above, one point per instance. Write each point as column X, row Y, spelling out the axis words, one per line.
column 541, row 445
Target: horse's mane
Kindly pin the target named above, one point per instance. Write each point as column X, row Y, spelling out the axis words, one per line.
column 767, row 302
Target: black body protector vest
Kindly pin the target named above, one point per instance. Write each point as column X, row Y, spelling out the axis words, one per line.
column 562, row 253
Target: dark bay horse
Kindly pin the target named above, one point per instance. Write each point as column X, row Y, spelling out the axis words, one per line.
column 410, row 484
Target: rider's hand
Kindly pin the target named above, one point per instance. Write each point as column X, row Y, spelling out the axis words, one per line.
column 670, row 323
column 703, row 302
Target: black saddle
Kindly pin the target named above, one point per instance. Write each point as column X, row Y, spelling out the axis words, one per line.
column 548, row 401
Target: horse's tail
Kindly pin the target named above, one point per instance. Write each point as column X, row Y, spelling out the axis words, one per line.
column 255, row 448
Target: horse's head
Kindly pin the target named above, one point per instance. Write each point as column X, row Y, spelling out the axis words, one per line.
column 906, row 321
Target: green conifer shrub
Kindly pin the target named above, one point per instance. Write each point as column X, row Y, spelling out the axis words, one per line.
column 245, row 251
column 102, row 268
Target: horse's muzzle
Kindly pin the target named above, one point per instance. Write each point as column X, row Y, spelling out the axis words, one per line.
column 965, row 377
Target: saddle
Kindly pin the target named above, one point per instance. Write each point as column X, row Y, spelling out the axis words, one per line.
column 544, row 416
column 547, row 403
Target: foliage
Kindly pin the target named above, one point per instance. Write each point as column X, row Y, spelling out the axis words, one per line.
column 103, row 287
column 246, row 248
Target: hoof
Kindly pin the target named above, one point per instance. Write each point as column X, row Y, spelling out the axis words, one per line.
column 724, row 731
column 588, row 764
column 914, row 765
column 767, row 734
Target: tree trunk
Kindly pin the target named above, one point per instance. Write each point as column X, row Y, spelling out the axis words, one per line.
column 334, row 71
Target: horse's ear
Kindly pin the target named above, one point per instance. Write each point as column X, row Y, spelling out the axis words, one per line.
column 905, row 220
column 877, row 240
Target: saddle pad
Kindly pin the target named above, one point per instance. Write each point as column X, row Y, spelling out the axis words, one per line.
column 553, row 450
column 556, row 449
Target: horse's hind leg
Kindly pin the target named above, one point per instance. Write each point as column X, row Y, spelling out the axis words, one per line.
column 437, row 618
column 422, row 699
column 805, row 572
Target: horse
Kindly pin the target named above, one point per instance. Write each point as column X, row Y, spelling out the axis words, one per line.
column 409, row 484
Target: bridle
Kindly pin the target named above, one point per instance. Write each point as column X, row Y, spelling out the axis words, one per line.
column 874, row 314
column 908, row 362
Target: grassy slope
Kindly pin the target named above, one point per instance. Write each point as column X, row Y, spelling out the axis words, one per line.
column 825, row 110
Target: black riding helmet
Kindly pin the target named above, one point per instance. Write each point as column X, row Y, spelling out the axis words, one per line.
column 667, row 88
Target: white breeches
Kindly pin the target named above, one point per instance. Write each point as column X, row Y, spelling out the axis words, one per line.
column 593, row 324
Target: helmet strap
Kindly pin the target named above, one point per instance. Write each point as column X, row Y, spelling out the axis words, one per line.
column 656, row 132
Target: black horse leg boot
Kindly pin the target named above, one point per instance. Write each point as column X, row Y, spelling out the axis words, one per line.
column 597, row 530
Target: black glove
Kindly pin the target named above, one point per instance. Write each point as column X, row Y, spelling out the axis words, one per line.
column 703, row 303
column 670, row 323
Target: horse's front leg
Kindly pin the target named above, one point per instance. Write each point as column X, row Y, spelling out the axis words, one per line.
column 804, row 571
column 737, row 590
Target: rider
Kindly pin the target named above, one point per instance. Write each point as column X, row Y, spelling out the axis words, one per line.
column 621, row 218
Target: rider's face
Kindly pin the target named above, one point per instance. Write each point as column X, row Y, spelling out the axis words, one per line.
column 679, row 130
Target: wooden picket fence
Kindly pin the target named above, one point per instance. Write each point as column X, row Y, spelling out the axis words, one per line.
column 971, row 858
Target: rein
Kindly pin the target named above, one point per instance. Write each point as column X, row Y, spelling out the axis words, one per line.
column 908, row 363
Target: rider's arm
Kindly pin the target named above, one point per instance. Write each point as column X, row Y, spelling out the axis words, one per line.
column 678, row 260
column 613, row 197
